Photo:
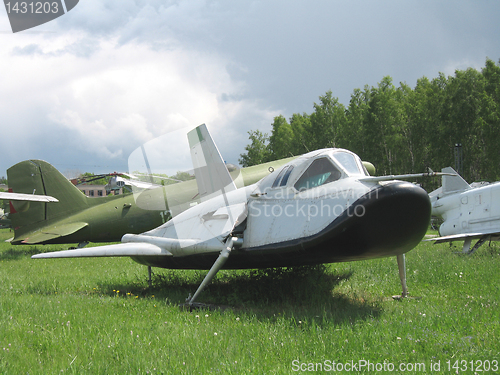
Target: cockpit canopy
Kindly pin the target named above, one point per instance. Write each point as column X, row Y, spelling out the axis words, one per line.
column 310, row 171
column 320, row 172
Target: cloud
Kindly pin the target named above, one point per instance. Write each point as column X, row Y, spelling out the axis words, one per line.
column 88, row 87
column 109, row 103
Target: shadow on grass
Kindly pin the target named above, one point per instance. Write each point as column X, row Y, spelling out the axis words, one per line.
column 488, row 249
column 17, row 253
column 305, row 293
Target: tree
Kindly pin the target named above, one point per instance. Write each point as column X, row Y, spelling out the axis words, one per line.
column 302, row 142
column 401, row 129
column 257, row 152
column 384, row 126
column 327, row 122
column 490, row 120
column 356, row 119
column 462, row 123
column 280, row 142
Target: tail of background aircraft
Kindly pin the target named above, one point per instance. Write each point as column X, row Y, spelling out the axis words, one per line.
column 450, row 184
column 39, row 177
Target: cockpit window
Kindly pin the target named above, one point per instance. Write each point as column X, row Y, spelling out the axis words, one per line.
column 278, row 178
column 285, row 173
column 348, row 161
column 286, row 176
column 320, row 172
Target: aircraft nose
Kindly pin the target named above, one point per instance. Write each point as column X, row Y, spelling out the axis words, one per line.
column 389, row 220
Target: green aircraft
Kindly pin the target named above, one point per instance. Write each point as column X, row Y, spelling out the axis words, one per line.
column 80, row 219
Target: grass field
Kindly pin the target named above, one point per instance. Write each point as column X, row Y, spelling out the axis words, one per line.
column 98, row 316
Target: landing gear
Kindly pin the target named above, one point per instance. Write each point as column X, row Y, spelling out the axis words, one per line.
column 468, row 242
column 81, row 245
column 224, row 254
column 402, row 276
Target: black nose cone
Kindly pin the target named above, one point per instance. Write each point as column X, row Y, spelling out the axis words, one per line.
column 390, row 220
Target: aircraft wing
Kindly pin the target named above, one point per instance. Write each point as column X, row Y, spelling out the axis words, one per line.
column 403, row 176
column 462, row 237
column 211, row 173
column 117, row 250
column 27, row 197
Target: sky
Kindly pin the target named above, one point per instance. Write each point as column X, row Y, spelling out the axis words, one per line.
column 87, row 89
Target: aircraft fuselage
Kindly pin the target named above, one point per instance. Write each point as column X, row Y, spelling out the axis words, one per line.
column 343, row 220
column 475, row 210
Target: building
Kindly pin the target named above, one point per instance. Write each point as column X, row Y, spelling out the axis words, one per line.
column 94, row 191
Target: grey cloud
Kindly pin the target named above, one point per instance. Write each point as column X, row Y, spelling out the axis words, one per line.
column 283, row 54
column 82, row 48
column 30, row 49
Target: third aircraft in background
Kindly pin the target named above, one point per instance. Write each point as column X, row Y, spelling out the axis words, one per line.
column 469, row 211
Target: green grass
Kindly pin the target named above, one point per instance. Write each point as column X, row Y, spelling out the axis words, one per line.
column 99, row 316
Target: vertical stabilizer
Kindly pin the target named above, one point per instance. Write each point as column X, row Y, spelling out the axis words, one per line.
column 452, row 184
column 25, row 178
column 39, row 177
column 210, row 171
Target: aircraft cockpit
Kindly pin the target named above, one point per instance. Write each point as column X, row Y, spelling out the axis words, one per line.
column 316, row 169
column 320, row 172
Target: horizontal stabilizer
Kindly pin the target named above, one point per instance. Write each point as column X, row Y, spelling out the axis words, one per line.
column 117, row 250
column 52, row 232
column 26, row 197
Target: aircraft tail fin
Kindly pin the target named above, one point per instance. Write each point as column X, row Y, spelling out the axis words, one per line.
column 453, row 183
column 39, row 177
column 211, row 173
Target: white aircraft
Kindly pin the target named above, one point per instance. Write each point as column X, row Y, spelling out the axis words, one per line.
column 322, row 207
column 469, row 211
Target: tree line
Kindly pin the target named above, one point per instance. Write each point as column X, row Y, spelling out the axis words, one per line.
column 400, row 129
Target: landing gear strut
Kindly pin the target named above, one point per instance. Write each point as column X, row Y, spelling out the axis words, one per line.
column 402, row 276
column 224, row 254
column 468, row 242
